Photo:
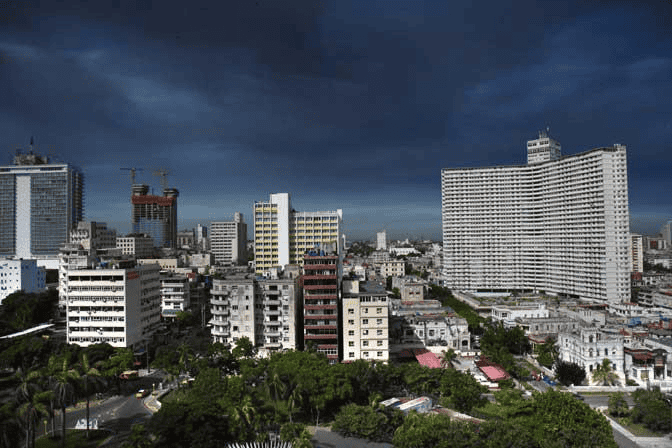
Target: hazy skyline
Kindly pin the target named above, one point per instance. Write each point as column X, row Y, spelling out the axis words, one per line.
column 351, row 105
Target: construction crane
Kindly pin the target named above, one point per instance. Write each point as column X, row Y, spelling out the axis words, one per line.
column 132, row 170
column 162, row 173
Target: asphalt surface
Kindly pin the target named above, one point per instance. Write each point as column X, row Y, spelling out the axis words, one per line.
column 116, row 414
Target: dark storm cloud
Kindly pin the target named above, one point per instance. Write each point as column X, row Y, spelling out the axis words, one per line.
column 350, row 104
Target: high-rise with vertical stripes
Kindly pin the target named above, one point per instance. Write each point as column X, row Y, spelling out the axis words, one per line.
column 40, row 202
column 559, row 224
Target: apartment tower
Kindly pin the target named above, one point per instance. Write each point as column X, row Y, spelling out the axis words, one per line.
column 228, row 241
column 282, row 235
column 558, row 224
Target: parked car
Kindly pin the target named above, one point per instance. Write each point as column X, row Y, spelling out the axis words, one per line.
column 141, row 393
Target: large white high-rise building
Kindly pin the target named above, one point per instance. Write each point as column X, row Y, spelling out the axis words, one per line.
column 40, row 202
column 228, row 241
column 558, row 224
column 282, row 235
column 381, row 240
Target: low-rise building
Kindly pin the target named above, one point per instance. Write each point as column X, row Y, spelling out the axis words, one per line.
column 508, row 314
column 139, row 245
column 365, row 321
column 20, row 275
column 589, row 346
column 392, row 268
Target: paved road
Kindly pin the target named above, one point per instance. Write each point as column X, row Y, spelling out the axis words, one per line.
column 117, row 414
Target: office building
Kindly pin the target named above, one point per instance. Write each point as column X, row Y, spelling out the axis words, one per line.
column 320, row 282
column 282, row 235
column 381, row 238
column 637, row 252
column 39, row 203
column 118, row 306
column 20, row 275
column 155, row 215
column 558, row 224
column 365, row 321
column 228, row 241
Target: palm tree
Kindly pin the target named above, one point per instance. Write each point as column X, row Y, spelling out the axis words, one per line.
column 293, row 402
column 92, row 381
column 447, row 358
column 186, row 357
column 26, row 396
column 243, row 414
column 604, row 374
column 64, row 388
column 10, row 426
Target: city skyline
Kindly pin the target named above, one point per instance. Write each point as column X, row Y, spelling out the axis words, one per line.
column 343, row 106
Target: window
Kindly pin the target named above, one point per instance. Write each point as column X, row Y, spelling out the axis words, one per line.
column 351, row 344
column 365, row 321
column 379, row 310
column 351, row 311
column 351, row 322
column 365, row 332
column 366, row 311
column 379, row 354
column 379, row 332
column 366, row 354
column 380, row 343
column 351, row 333
column 379, row 321
column 351, row 354
column 365, row 343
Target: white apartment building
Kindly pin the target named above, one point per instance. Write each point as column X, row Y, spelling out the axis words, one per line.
column 228, row 241
column 282, row 235
column 557, row 224
column 17, row 275
column 381, row 239
column 175, row 295
column 121, row 307
column 365, row 322
column 140, row 245
column 508, row 314
column 265, row 310
column 637, row 252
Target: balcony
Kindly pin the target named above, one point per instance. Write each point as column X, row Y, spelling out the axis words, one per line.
column 320, row 327
column 214, row 301
column 273, row 334
column 269, row 312
column 319, row 336
column 272, row 323
column 312, row 287
column 272, row 302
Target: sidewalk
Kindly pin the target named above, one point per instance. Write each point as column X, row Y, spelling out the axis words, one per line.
column 644, row 442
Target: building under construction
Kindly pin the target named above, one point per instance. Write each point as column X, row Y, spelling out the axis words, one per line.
column 155, row 215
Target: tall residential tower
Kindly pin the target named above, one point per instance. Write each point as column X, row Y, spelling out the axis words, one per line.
column 558, row 224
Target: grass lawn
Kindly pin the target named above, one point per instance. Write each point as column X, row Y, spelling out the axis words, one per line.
column 637, row 429
column 75, row 438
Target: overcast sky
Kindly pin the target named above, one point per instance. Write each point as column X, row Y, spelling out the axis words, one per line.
column 343, row 104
